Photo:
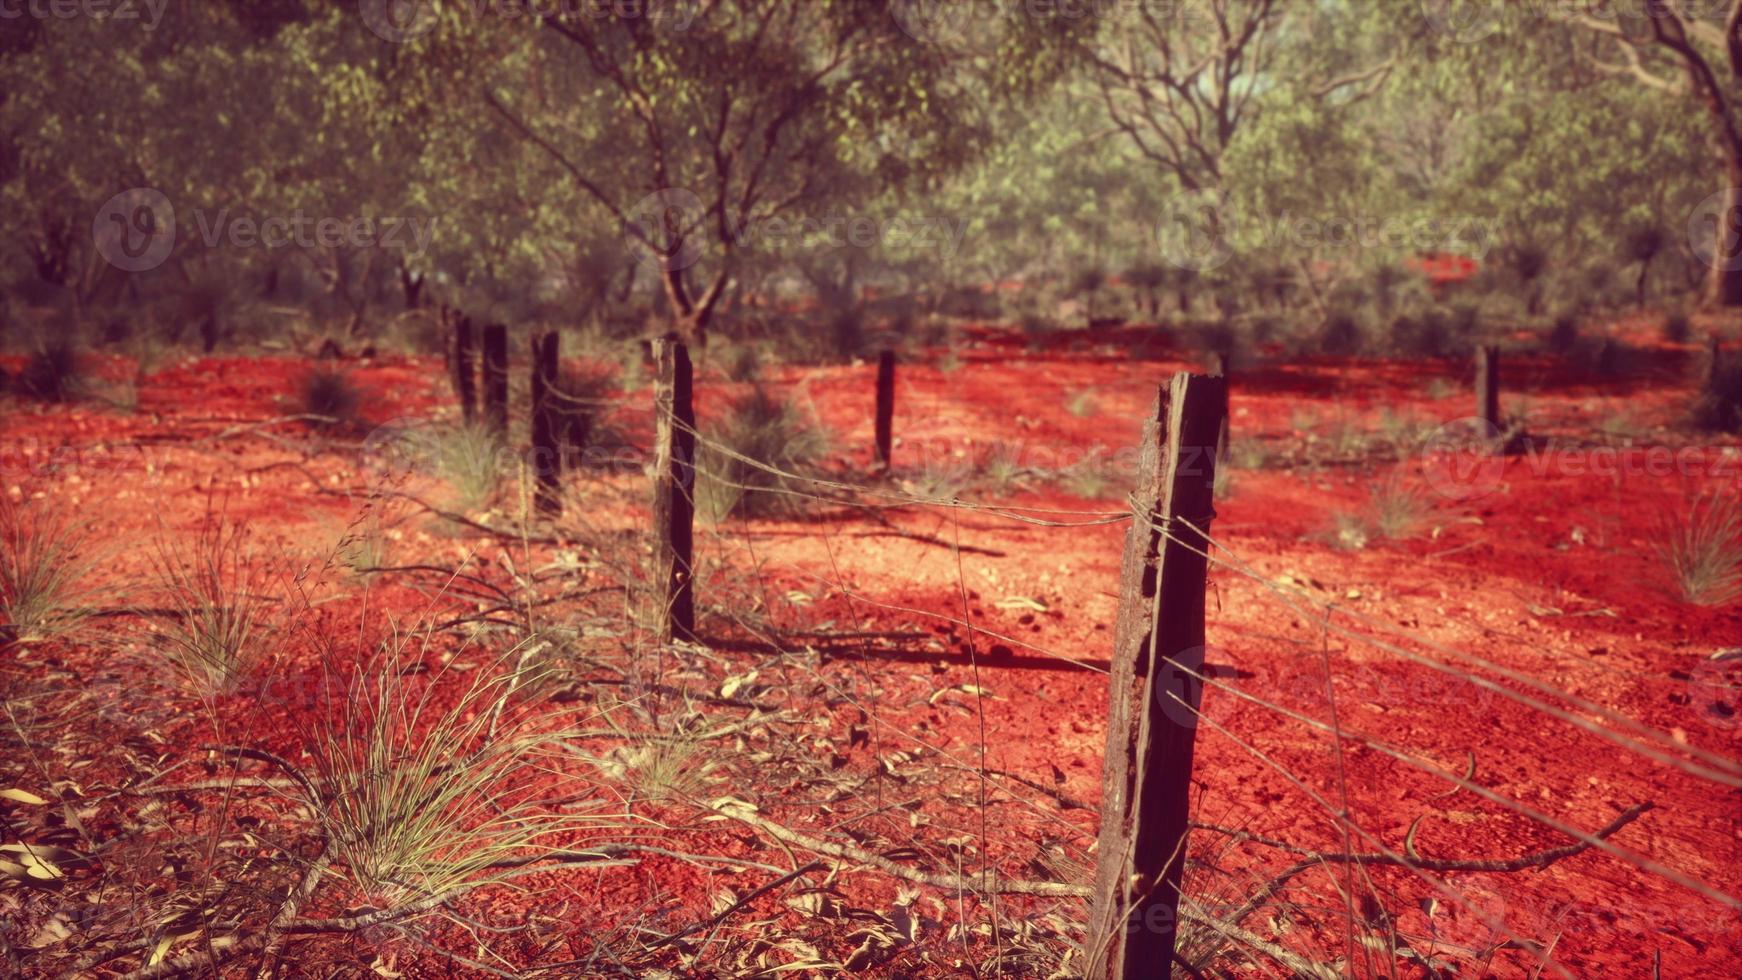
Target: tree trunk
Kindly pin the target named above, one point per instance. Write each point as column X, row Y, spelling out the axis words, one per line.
column 674, row 453
column 1724, row 287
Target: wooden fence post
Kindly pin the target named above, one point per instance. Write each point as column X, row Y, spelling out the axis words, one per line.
column 546, row 458
column 1714, row 361
column 1222, row 366
column 496, row 377
column 1151, row 724
column 674, row 484
column 1488, row 387
column 885, row 406
column 465, row 384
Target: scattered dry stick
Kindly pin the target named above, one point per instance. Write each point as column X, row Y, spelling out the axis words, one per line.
column 948, row 881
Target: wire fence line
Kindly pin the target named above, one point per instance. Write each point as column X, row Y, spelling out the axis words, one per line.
column 1349, row 625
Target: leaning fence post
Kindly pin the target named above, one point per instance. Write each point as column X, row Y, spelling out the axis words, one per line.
column 465, row 384
column 1488, row 386
column 546, row 462
column 1155, row 687
column 885, row 406
column 674, row 484
column 496, row 377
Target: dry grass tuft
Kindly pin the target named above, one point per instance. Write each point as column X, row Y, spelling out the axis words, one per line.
column 1702, row 548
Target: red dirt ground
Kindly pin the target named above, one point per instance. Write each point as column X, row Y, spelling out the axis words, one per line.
column 1541, row 566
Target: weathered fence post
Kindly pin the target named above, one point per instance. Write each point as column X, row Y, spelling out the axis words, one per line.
column 1714, row 361
column 546, row 458
column 465, row 384
column 496, row 377
column 1222, row 366
column 674, row 484
column 885, row 406
column 1488, row 386
column 1158, row 650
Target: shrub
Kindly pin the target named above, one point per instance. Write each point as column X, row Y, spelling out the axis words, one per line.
column 1677, row 328
column 1564, row 335
column 1427, row 335
column 579, row 399
column 1614, row 359
column 741, row 360
column 754, row 459
column 1398, row 509
column 1527, row 261
column 1644, row 243
column 330, row 397
column 1703, row 550
column 1147, row 279
column 1394, row 510
column 46, row 561
column 1090, row 479
column 53, row 372
column 1718, row 407
column 1341, row 335
column 468, row 458
column 217, row 594
column 421, row 795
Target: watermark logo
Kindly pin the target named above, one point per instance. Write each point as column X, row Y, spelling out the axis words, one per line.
column 1715, row 690
column 1461, row 460
column 1193, row 232
column 1715, row 231
column 1179, row 687
column 134, row 231
column 401, row 448
column 1463, row 21
column 398, row 21
column 931, row 21
column 662, row 228
column 148, row 13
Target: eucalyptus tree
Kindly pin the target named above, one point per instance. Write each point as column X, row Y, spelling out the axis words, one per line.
column 1688, row 52
column 693, row 130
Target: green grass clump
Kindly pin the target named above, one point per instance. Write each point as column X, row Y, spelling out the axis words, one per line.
column 218, row 595
column 1702, row 549
column 752, row 462
column 47, row 557
column 469, row 458
column 430, row 784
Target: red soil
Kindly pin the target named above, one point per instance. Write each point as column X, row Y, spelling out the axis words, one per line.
column 1540, row 568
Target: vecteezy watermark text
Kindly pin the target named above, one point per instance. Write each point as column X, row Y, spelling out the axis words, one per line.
column 147, row 13
column 136, row 230
column 400, row 21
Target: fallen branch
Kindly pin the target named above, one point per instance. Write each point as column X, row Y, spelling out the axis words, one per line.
column 1313, row 859
column 951, row 882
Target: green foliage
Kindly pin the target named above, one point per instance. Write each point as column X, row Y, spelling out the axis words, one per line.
column 469, row 458
column 428, row 781
column 753, row 461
